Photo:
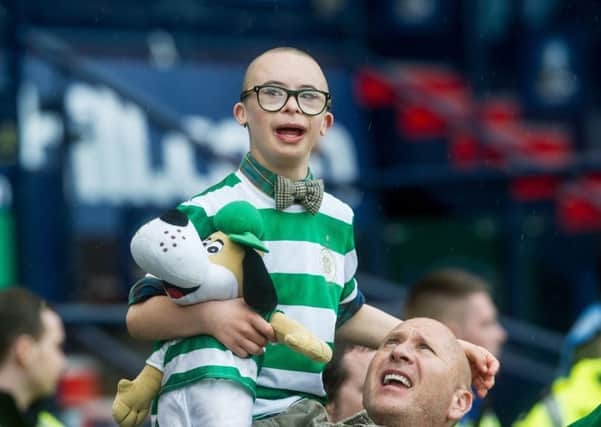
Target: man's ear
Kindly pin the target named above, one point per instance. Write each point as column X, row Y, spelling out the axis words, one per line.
column 23, row 346
column 240, row 114
column 460, row 404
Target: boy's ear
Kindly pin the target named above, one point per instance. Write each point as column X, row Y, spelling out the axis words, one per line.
column 461, row 404
column 328, row 121
column 240, row 114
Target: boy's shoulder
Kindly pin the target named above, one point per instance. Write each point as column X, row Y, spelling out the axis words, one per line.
column 230, row 181
column 334, row 207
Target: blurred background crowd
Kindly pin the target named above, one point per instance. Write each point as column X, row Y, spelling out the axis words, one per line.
column 467, row 135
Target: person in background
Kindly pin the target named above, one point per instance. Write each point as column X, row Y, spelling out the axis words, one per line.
column 31, row 357
column 343, row 380
column 462, row 301
column 577, row 391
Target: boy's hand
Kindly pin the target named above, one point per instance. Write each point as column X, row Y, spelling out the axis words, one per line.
column 484, row 367
column 238, row 327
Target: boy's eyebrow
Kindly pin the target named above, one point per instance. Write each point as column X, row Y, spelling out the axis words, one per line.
column 278, row 83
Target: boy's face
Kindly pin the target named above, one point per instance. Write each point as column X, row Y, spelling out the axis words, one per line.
column 282, row 141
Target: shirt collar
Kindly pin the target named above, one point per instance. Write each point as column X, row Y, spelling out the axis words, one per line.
column 260, row 176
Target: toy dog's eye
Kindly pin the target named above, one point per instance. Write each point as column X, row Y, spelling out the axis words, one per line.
column 215, row 247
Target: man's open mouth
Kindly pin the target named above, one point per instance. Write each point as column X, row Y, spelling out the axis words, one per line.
column 397, row 379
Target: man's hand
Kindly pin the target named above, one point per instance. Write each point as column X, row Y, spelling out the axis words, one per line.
column 484, row 367
column 238, row 327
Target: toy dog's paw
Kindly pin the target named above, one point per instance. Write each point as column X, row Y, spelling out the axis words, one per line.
column 306, row 344
column 128, row 409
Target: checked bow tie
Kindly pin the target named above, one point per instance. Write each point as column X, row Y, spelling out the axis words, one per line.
column 307, row 193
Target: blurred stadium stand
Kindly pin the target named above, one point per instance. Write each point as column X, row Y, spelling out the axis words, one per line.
column 466, row 134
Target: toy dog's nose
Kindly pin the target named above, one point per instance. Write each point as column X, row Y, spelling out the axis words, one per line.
column 175, row 217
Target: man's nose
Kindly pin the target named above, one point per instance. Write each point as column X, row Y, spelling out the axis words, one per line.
column 403, row 352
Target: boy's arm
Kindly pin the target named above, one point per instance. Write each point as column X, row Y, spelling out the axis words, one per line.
column 368, row 327
column 232, row 322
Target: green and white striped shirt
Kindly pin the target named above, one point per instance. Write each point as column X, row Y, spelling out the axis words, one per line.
column 312, row 261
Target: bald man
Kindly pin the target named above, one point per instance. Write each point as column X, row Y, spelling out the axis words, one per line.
column 419, row 377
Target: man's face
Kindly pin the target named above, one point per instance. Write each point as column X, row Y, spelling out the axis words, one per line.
column 480, row 324
column 349, row 399
column 414, row 374
column 47, row 359
column 282, row 141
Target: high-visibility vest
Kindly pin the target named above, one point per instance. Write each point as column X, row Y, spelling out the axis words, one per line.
column 488, row 419
column 46, row 419
column 570, row 399
column 591, row 420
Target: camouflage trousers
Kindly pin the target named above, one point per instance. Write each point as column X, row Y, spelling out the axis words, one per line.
column 309, row 413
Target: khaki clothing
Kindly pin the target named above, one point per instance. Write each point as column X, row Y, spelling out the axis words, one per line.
column 309, row 413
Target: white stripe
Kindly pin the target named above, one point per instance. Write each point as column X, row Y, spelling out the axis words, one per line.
column 215, row 200
column 210, row 357
column 320, row 321
column 294, row 380
column 265, row 407
column 336, row 208
column 307, row 259
column 350, row 265
column 246, row 190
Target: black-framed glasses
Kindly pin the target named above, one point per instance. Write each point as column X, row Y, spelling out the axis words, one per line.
column 273, row 98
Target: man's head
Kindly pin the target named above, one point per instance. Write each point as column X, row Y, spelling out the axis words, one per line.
column 31, row 355
column 461, row 301
column 282, row 140
column 343, row 380
column 419, row 376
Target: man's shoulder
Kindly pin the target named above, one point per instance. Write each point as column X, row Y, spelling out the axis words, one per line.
column 360, row 419
column 9, row 414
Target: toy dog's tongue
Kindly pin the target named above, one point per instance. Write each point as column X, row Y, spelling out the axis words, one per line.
column 176, row 292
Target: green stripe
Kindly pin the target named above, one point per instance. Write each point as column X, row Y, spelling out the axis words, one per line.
column 321, row 229
column 305, row 289
column 348, row 288
column 280, row 356
column 190, row 344
column 229, row 181
column 176, row 381
column 273, row 394
column 201, row 221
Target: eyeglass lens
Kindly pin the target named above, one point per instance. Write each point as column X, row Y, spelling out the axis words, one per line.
column 272, row 98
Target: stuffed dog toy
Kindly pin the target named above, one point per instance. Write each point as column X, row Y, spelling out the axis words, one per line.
column 228, row 264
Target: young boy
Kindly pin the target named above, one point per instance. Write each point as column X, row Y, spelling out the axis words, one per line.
column 285, row 105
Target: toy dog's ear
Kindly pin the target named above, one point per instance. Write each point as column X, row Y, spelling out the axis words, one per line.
column 258, row 289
